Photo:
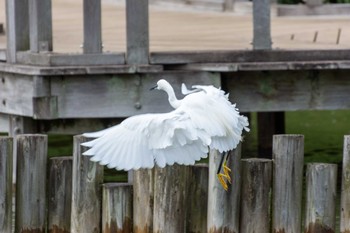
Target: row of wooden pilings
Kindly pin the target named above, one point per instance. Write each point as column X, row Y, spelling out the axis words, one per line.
column 265, row 195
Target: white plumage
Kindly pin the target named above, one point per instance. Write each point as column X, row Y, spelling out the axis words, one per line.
column 203, row 118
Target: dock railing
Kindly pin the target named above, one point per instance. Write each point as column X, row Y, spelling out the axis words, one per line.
column 67, row 194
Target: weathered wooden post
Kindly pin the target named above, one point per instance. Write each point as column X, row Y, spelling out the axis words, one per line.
column 261, row 24
column 86, row 191
column 6, row 144
column 143, row 196
column 170, row 196
column 224, row 206
column 137, row 32
column 40, row 20
column 345, row 188
column 321, row 189
column 288, row 158
column 31, row 183
column 198, row 198
column 92, row 26
column 17, row 28
column 117, row 208
column 59, row 194
column 256, row 189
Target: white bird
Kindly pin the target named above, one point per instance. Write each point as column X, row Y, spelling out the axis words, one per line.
column 203, row 119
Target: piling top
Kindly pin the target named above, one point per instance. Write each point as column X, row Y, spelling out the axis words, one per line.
column 115, row 185
column 256, row 160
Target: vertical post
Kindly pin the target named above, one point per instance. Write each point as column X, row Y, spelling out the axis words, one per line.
column 31, row 183
column 261, row 24
column 117, row 207
column 256, row 186
column 17, row 28
column 170, row 195
column 137, row 31
column 345, row 188
column 224, row 206
column 321, row 189
column 6, row 153
column 59, row 194
column 288, row 155
column 86, row 191
column 40, row 21
column 198, row 198
column 143, row 197
column 92, row 26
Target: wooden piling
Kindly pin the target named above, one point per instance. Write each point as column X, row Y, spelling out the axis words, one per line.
column 224, row 206
column 59, row 194
column 256, row 188
column 170, row 195
column 31, row 183
column 86, row 191
column 345, row 189
column 117, row 208
column 321, row 187
column 143, row 194
column 6, row 144
column 198, row 198
column 92, row 26
column 288, row 155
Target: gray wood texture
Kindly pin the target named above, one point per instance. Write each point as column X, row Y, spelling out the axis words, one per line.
column 117, row 208
column 40, row 21
column 59, row 194
column 2, row 55
column 6, row 144
column 224, row 206
column 321, row 192
column 256, row 190
column 31, row 183
column 137, row 32
column 261, row 25
column 197, row 197
column 86, row 191
column 92, row 26
column 4, row 123
column 170, row 198
column 345, row 189
column 288, row 158
column 143, row 200
column 289, row 90
column 17, row 28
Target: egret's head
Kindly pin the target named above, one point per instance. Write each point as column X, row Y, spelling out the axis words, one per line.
column 161, row 85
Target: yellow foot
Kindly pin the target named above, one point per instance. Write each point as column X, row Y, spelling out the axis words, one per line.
column 222, row 181
column 227, row 171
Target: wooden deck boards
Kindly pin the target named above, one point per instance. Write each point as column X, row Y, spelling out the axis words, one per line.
column 172, row 30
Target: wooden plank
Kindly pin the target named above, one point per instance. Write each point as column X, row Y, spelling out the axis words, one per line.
column 92, row 26
column 288, row 157
column 261, row 25
column 17, row 28
column 256, row 190
column 137, row 32
column 31, row 183
column 170, row 198
column 119, row 95
column 289, row 90
column 117, row 207
column 4, row 123
column 6, row 144
column 198, row 198
column 59, row 194
column 56, row 59
column 2, row 55
column 224, row 206
column 86, row 191
column 321, row 192
column 345, row 188
column 183, row 57
column 40, row 20
column 143, row 200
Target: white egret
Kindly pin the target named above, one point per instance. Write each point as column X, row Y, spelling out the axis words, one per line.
column 203, row 119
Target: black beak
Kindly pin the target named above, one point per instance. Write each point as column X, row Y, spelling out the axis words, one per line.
column 152, row 88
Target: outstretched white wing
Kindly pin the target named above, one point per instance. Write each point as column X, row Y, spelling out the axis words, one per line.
column 204, row 119
column 140, row 141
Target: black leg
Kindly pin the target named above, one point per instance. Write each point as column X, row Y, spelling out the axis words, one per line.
column 223, row 155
